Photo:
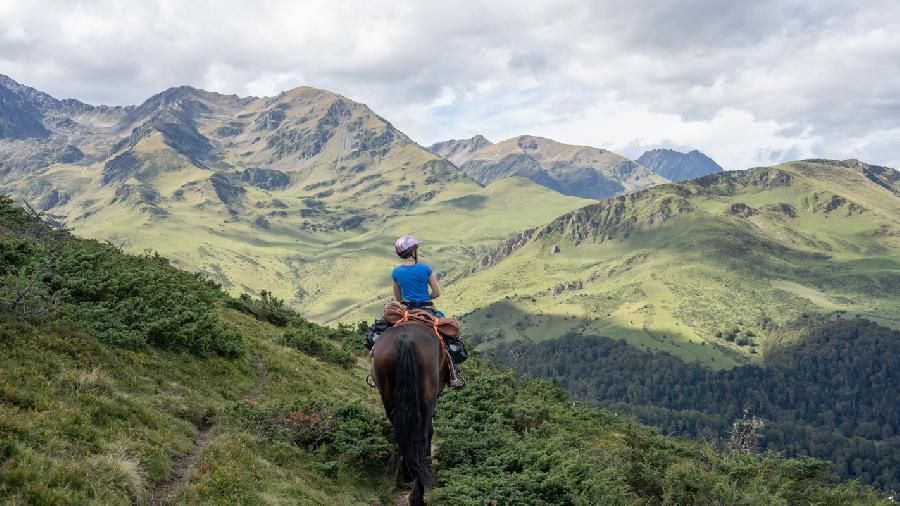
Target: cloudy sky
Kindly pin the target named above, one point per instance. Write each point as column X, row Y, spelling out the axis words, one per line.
column 749, row 83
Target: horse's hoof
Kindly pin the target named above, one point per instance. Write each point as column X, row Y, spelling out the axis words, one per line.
column 370, row 381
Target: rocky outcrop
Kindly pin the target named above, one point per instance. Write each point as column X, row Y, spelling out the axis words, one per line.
column 828, row 202
column 19, row 119
column 741, row 209
column 267, row 179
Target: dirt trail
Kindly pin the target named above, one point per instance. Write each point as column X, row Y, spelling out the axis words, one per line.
column 162, row 493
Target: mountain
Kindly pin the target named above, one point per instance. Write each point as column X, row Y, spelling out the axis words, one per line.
column 127, row 381
column 459, row 151
column 258, row 193
column 676, row 166
column 701, row 269
column 580, row 171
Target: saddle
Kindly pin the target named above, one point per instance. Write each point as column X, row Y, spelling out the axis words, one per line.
column 395, row 313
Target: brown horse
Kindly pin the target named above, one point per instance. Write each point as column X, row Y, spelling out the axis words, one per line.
column 410, row 369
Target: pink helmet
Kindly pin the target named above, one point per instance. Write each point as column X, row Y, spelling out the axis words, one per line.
column 405, row 242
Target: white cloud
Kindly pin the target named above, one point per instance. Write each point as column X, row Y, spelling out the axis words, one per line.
column 746, row 82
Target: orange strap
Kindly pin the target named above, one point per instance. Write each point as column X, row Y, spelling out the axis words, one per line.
column 434, row 326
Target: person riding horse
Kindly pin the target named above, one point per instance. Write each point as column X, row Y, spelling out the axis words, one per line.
column 411, row 282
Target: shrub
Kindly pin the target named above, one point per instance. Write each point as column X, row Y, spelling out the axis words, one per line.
column 131, row 301
column 267, row 308
column 313, row 340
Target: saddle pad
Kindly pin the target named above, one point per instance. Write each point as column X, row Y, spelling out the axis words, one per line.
column 447, row 327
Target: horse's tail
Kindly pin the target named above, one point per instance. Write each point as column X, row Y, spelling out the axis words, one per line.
column 409, row 419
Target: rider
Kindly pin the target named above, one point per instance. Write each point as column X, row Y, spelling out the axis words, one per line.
column 412, row 280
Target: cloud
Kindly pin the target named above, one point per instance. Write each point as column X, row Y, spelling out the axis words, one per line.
column 746, row 82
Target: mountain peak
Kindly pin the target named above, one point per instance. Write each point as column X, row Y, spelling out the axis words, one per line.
column 459, row 151
column 677, row 166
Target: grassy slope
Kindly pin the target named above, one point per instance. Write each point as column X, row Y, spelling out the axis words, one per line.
column 334, row 275
column 84, row 422
column 673, row 284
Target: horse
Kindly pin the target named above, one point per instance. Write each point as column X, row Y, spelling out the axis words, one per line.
column 410, row 369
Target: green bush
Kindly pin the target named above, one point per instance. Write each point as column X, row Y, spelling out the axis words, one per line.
column 345, row 434
column 313, row 340
column 124, row 300
column 267, row 308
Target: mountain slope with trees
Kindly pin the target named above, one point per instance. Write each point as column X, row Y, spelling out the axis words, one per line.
column 828, row 389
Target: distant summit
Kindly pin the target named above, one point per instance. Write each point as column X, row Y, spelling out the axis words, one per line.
column 677, row 166
column 459, row 151
column 580, row 171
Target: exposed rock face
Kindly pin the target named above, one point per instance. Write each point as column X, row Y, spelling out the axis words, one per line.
column 19, row 119
column 266, row 179
column 580, row 171
column 676, row 166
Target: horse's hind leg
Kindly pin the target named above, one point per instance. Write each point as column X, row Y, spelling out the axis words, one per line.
column 417, row 494
column 395, row 461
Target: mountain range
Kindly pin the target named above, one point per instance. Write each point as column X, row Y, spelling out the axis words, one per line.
column 127, row 381
column 258, row 193
column 580, row 171
column 300, row 196
column 284, row 193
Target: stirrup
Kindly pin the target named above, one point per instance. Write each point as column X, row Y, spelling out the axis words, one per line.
column 457, row 382
column 370, row 381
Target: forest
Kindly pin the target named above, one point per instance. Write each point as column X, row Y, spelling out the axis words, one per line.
column 829, row 390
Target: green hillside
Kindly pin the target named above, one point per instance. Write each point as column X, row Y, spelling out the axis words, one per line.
column 701, row 269
column 128, row 381
column 301, row 194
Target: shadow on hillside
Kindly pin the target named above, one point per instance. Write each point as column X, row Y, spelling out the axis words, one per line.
column 503, row 322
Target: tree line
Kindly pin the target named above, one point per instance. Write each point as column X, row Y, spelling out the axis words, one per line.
column 830, row 394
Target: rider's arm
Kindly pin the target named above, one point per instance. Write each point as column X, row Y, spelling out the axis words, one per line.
column 433, row 283
column 398, row 294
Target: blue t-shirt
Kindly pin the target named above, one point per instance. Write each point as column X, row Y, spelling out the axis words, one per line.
column 413, row 281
